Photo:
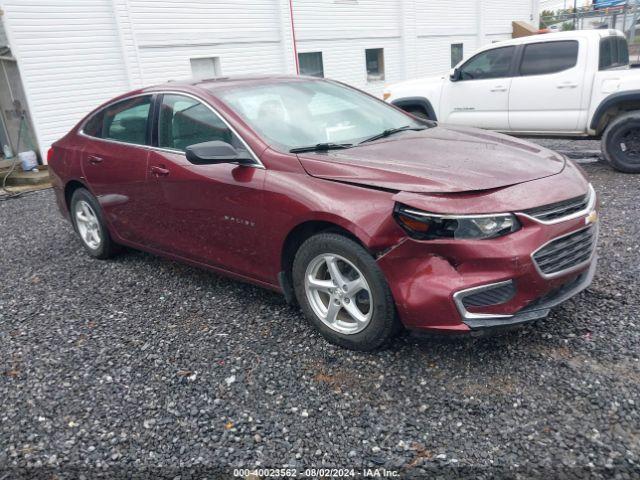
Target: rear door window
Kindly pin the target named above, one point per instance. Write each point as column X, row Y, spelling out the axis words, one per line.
column 549, row 57
column 125, row 121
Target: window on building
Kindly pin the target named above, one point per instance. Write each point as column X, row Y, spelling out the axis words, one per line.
column 614, row 52
column 310, row 63
column 125, row 121
column 549, row 57
column 457, row 51
column 184, row 121
column 374, row 58
column 495, row 63
column 204, row 68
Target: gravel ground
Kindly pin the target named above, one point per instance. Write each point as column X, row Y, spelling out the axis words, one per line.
column 142, row 367
column 589, row 150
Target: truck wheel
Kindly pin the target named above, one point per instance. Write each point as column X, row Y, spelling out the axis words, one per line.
column 621, row 143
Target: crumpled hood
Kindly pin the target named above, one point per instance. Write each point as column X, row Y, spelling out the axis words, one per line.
column 437, row 160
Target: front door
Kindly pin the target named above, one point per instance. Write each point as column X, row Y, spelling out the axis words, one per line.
column 115, row 164
column 479, row 96
column 212, row 214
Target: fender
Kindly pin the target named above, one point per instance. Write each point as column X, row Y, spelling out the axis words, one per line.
column 420, row 101
column 611, row 101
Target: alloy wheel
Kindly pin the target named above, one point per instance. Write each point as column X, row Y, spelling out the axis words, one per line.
column 88, row 225
column 338, row 293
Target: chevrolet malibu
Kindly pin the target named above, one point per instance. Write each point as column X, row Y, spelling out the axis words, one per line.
column 367, row 217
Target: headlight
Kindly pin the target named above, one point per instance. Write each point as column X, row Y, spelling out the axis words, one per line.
column 425, row 226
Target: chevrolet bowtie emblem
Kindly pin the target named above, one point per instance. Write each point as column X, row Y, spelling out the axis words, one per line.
column 591, row 218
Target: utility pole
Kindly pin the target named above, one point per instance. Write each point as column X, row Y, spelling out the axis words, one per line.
column 575, row 13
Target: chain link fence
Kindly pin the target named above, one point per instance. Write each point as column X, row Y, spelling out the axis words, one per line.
column 624, row 17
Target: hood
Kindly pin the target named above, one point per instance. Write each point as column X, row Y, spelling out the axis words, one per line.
column 437, row 160
column 415, row 83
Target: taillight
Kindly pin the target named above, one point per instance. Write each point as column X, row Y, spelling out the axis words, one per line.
column 50, row 155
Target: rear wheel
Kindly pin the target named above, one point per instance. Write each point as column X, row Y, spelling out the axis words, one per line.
column 90, row 226
column 343, row 292
column 621, row 143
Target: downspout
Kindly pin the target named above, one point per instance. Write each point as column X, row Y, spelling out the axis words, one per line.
column 479, row 24
column 293, row 36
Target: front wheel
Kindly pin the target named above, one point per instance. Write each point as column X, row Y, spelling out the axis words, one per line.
column 621, row 143
column 343, row 292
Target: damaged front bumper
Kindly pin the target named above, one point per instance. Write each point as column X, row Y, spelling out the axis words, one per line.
column 431, row 279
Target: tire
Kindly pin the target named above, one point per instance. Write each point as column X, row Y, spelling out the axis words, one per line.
column 85, row 210
column 621, row 143
column 371, row 299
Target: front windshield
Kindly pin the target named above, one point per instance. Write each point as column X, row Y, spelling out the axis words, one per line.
column 300, row 113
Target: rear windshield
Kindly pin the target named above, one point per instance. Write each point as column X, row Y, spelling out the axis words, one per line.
column 614, row 52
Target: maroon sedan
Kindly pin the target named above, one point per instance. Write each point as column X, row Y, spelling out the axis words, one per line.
column 368, row 217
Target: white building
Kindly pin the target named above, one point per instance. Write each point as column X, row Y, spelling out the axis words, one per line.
column 74, row 54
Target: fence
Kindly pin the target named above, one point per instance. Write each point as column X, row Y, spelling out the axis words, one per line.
column 624, row 17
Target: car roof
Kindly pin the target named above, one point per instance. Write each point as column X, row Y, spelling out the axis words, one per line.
column 549, row 37
column 220, row 83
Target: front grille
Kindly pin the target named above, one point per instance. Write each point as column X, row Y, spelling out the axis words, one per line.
column 555, row 293
column 492, row 296
column 557, row 210
column 566, row 252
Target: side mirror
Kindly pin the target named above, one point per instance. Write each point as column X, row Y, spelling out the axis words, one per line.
column 454, row 74
column 209, row 153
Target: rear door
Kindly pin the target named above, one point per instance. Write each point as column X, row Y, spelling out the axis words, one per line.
column 115, row 164
column 480, row 97
column 546, row 96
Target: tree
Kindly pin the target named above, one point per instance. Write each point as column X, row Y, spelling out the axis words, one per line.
column 547, row 17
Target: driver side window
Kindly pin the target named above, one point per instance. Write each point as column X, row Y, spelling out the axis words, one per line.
column 495, row 63
column 184, row 121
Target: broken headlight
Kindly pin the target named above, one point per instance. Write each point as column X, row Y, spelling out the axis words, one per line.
column 427, row 226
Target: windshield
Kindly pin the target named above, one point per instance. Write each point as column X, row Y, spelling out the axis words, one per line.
column 300, row 113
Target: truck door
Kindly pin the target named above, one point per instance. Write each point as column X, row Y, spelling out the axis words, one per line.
column 479, row 95
column 546, row 93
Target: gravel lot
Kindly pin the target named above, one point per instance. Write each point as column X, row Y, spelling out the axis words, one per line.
column 140, row 366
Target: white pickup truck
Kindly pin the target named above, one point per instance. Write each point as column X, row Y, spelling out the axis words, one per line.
column 567, row 84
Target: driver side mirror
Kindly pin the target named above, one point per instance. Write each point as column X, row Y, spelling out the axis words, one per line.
column 210, row 153
column 455, row 75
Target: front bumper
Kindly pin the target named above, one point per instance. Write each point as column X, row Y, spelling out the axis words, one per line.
column 425, row 277
column 539, row 308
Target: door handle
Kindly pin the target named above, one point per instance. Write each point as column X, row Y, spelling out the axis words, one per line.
column 94, row 160
column 159, row 171
column 568, row 85
column 499, row 88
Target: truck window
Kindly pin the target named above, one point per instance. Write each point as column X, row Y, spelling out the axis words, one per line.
column 549, row 57
column 614, row 52
column 495, row 63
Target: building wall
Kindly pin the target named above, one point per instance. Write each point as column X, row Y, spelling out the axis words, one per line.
column 70, row 60
column 74, row 55
column 3, row 35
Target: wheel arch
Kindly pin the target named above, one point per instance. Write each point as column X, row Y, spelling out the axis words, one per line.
column 297, row 236
column 70, row 187
column 611, row 106
column 420, row 102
